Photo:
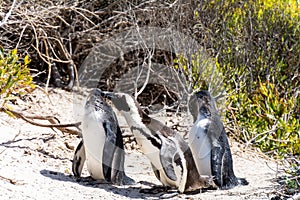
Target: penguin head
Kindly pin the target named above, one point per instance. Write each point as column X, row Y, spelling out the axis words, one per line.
column 120, row 100
column 123, row 102
column 96, row 101
column 206, row 103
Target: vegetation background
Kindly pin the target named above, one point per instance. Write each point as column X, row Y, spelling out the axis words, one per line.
column 255, row 45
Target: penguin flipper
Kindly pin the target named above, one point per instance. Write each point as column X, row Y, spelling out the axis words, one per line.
column 117, row 166
column 229, row 178
column 108, row 150
column 168, row 152
column 217, row 164
column 78, row 159
column 222, row 168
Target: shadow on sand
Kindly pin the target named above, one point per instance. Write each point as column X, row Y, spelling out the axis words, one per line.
column 130, row 191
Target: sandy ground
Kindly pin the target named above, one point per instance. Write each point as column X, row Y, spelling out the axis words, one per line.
column 35, row 162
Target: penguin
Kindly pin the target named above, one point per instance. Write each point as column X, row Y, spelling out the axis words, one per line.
column 209, row 144
column 102, row 143
column 169, row 154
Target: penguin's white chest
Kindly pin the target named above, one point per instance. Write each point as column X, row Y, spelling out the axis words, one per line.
column 201, row 146
column 94, row 138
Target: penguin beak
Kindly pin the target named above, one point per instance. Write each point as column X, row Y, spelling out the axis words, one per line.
column 118, row 99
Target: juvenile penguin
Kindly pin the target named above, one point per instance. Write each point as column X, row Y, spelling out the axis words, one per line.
column 102, row 143
column 209, row 144
column 170, row 156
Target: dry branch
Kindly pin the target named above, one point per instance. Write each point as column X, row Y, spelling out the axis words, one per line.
column 53, row 120
column 12, row 181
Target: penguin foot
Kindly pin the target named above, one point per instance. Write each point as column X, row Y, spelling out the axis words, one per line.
column 243, row 181
column 234, row 183
column 209, row 182
column 128, row 181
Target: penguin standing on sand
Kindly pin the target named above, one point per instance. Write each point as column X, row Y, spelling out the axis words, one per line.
column 169, row 154
column 102, row 143
column 209, row 144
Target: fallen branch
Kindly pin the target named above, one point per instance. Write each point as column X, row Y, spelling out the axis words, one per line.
column 14, row 182
column 53, row 120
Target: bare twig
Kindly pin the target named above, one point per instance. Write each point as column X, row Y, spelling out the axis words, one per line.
column 12, row 140
column 49, row 65
column 51, row 119
column 4, row 21
column 14, row 182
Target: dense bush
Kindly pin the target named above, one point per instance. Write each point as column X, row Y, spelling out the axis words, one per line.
column 257, row 46
column 15, row 77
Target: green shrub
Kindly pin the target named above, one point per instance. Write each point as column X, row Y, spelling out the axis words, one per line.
column 15, row 77
column 201, row 72
column 265, row 118
column 257, row 46
column 268, row 120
